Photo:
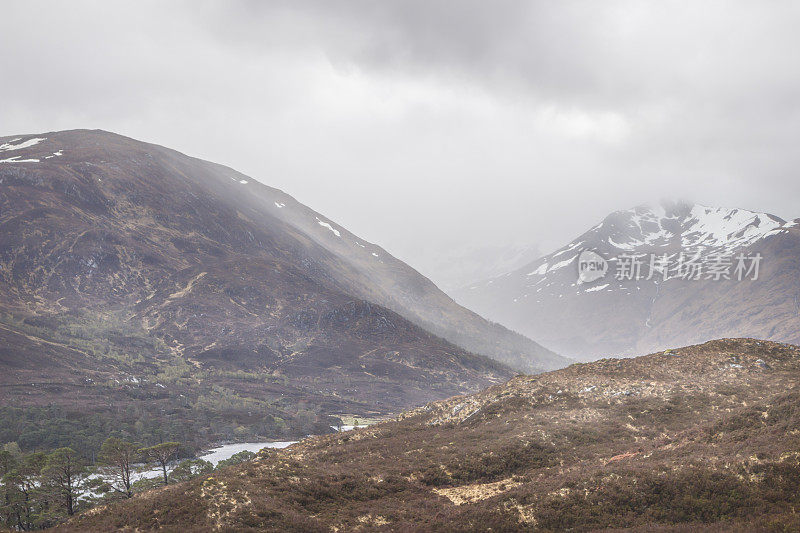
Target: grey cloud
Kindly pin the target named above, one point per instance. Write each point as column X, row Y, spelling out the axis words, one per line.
column 432, row 127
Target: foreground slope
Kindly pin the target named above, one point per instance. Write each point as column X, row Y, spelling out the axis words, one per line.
column 546, row 300
column 160, row 294
column 699, row 438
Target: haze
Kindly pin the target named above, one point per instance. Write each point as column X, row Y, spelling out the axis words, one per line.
column 429, row 129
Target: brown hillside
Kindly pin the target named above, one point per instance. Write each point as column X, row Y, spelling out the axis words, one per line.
column 705, row 437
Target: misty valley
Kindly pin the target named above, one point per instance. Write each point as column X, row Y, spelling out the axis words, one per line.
column 399, row 266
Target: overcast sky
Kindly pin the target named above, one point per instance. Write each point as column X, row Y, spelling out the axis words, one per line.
column 429, row 126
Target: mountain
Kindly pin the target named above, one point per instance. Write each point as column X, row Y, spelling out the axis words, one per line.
column 454, row 266
column 147, row 290
column 370, row 272
column 617, row 313
column 702, row 438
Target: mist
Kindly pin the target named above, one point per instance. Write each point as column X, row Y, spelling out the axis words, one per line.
column 432, row 131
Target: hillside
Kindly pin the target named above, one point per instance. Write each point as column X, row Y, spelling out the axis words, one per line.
column 591, row 319
column 158, row 294
column 218, row 206
column 702, row 438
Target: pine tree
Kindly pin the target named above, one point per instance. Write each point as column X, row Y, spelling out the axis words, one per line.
column 119, row 456
column 161, row 454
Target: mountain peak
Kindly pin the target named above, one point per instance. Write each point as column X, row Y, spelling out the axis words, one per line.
column 615, row 314
column 684, row 225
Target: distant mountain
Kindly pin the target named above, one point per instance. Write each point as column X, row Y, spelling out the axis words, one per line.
column 619, row 314
column 158, row 289
column 454, row 267
column 702, row 438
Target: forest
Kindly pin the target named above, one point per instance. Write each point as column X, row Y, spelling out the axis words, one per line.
column 40, row 489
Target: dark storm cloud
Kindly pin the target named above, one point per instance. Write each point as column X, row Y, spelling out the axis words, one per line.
column 430, row 126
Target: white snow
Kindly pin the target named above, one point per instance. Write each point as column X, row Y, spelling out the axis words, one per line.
column 27, row 144
column 561, row 264
column 373, row 253
column 569, row 247
column 280, row 205
column 716, row 227
column 711, row 229
column 243, row 182
column 326, row 225
column 623, row 245
column 540, row 271
column 688, row 228
column 17, row 159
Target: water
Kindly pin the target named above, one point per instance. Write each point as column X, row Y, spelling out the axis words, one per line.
column 215, row 455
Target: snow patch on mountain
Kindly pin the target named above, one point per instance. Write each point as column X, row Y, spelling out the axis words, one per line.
column 16, row 159
column 540, row 270
column 326, row 225
column 661, row 229
column 711, row 227
column 5, row 147
column 561, row 264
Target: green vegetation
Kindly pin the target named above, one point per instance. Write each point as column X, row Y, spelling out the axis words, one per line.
column 189, row 469
column 39, row 490
column 118, row 457
column 98, row 334
column 237, row 458
column 162, row 454
column 65, row 471
column 53, row 427
column 145, row 392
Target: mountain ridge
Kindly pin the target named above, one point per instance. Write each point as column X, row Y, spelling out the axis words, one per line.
column 373, row 274
column 134, row 278
column 546, row 297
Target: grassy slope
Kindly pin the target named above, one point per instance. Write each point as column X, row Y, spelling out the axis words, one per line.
column 703, row 437
column 155, row 292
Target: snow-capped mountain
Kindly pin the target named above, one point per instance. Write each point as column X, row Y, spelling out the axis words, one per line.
column 650, row 254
